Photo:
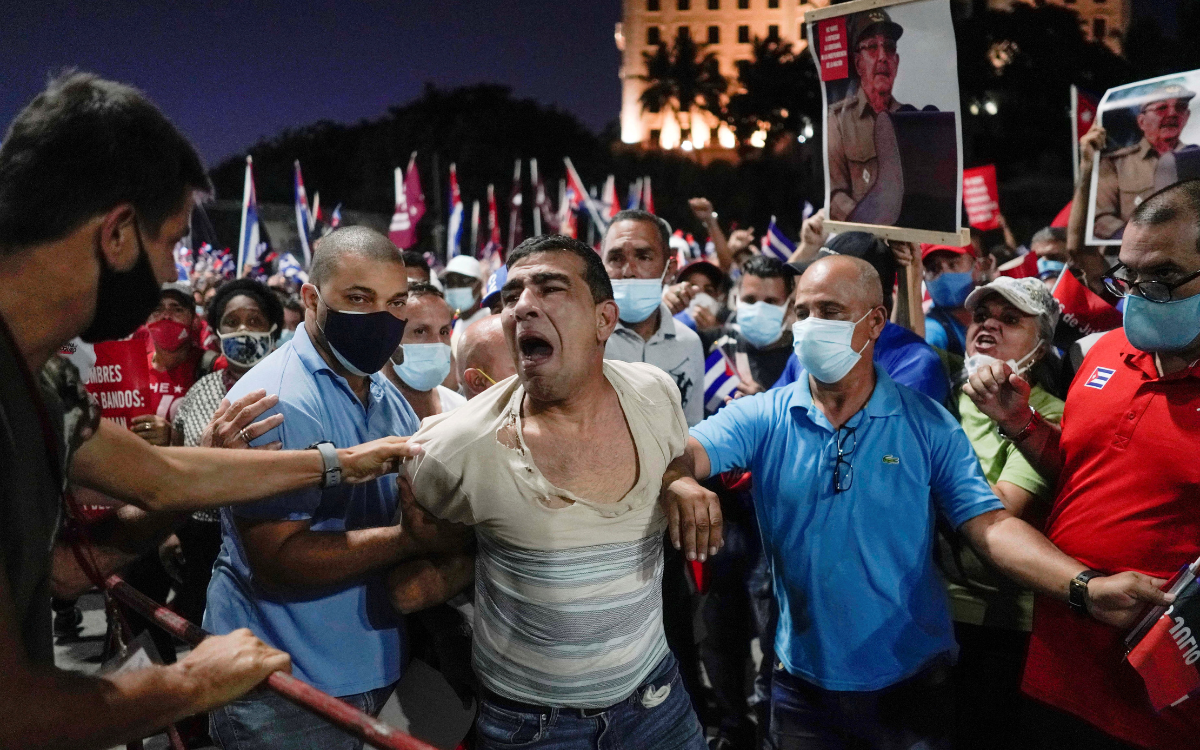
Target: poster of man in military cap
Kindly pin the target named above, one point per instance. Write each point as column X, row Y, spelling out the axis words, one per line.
column 893, row 136
column 1151, row 142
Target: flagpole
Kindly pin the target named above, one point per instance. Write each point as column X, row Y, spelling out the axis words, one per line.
column 537, row 204
column 587, row 199
column 439, row 226
column 246, row 187
column 474, row 229
column 514, row 206
column 1058, row 281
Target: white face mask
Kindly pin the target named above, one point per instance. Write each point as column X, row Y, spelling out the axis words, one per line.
column 707, row 302
column 1019, row 366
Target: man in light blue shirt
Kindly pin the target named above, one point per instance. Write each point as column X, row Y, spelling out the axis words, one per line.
column 850, row 471
column 305, row 570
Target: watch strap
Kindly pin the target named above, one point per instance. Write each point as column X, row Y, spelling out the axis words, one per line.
column 1077, row 591
column 331, row 473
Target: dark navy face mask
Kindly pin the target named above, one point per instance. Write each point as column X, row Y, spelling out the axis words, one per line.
column 361, row 342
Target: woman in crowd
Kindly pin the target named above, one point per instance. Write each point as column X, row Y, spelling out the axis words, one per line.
column 248, row 318
column 1012, row 320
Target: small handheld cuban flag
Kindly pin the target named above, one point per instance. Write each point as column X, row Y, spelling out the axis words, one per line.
column 304, row 219
column 335, row 220
column 291, row 269
column 720, row 380
column 183, row 262
column 776, row 243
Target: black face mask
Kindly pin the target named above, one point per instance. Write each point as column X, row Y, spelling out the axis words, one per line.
column 124, row 299
column 361, row 342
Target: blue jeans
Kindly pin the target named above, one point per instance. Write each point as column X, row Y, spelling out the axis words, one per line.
column 628, row 725
column 264, row 719
column 915, row 714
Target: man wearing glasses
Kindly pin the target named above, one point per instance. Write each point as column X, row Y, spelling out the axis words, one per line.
column 850, row 473
column 1127, row 175
column 1124, row 464
column 853, row 163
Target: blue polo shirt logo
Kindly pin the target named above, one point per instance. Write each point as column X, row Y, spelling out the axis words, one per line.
column 891, row 460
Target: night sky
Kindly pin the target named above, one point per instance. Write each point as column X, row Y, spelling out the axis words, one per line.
column 229, row 73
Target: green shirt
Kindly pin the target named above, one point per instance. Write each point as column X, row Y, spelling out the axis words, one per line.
column 979, row 595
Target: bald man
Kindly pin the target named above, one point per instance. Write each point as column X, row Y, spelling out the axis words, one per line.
column 483, row 356
column 305, row 570
column 850, row 471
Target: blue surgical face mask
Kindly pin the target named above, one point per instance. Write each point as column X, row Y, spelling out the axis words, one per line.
column 761, row 323
column 423, row 366
column 246, row 348
column 1047, row 267
column 637, row 299
column 1161, row 326
column 951, row 288
column 361, row 342
column 285, row 336
column 824, row 347
column 460, row 298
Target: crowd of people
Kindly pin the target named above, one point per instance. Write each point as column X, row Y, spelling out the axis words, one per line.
column 918, row 521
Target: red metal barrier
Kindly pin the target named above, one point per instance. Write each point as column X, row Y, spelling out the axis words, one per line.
column 370, row 730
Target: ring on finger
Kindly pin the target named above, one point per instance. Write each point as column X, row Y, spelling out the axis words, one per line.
column 245, row 438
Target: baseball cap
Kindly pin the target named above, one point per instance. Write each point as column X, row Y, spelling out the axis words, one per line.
column 708, row 269
column 874, row 22
column 1029, row 295
column 465, row 265
column 181, row 290
column 494, row 283
column 926, row 250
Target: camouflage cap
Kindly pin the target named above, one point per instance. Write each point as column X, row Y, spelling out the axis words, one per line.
column 1162, row 93
column 873, row 22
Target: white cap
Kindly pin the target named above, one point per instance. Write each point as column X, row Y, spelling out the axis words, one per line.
column 465, row 265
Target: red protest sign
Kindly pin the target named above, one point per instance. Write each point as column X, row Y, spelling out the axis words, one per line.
column 981, row 197
column 120, row 380
column 833, row 41
column 1083, row 311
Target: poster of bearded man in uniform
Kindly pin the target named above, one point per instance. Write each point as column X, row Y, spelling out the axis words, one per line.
column 1150, row 143
column 893, row 135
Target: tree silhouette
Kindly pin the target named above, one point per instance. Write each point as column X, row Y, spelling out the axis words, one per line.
column 779, row 87
column 682, row 79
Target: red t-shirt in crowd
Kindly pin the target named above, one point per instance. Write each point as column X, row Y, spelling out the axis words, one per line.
column 168, row 387
column 1127, row 500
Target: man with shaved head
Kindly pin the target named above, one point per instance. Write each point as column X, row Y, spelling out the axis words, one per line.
column 483, row 356
column 305, row 570
column 850, row 471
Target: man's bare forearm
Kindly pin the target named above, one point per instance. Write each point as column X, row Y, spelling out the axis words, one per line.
column 48, row 709
column 1022, row 553
column 420, row 584
column 113, row 543
column 1040, row 446
column 178, row 479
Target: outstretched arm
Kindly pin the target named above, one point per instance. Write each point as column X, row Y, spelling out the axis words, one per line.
column 693, row 512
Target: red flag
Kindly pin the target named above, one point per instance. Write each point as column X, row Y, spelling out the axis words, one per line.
column 1166, row 656
column 1064, row 216
column 1083, row 311
column 493, row 217
column 1025, row 268
column 1084, row 107
column 412, row 191
column 608, row 199
column 981, row 197
column 402, row 232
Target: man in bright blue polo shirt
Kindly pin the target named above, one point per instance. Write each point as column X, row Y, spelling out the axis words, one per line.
column 850, row 469
column 304, row 570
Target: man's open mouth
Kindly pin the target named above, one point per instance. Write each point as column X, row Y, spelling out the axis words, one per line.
column 534, row 349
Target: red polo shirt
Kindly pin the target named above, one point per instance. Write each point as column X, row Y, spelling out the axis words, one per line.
column 1128, row 499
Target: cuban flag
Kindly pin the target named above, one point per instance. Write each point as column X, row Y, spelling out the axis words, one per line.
column 647, row 195
column 582, row 197
column 291, row 269
column 335, row 219
column 720, row 380
column 223, row 263
column 454, row 233
column 776, row 244
column 608, row 199
column 250, row 236
column 304, row 222
column 634, row 201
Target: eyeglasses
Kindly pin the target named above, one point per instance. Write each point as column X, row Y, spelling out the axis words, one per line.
column 876, row 48
column 842, row 479
column 1154, row 291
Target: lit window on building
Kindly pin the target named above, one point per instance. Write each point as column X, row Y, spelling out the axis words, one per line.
column 653, row 35
column 714, row 34
column 743, row 34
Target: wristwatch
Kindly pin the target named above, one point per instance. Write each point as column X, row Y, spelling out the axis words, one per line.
column 331, row 475
column 1077, row 593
